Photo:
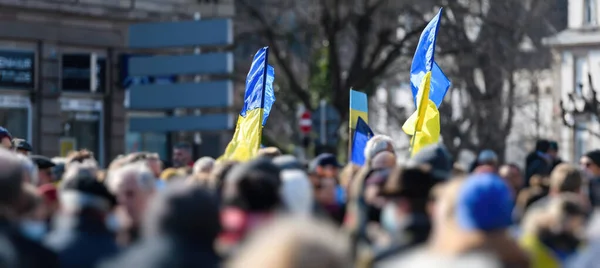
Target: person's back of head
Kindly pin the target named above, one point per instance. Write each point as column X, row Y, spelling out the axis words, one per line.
column 383, row 160
column 81, row 156
column 203, row 165
column 81, row 192
column 377, row 144
column 31, row 170
column 200, row 221
column 219, row 173
column 254, row 186
column 412, row 184
column 11, row 179
column 295, row 242
column 138, row 172
column 566, row 178
column 542, row 145
column 286, row 162
column 297, row 192
column 269, row 152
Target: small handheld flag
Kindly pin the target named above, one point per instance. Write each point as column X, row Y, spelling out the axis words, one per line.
column 362, row 135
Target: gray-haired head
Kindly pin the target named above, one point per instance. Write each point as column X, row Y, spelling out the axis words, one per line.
column 288, row 162
column 203, row 165
column 136, row 171
column 11, row 178
column 30, row 169
column 297, row 192
column 74, row 168
column 377, row 144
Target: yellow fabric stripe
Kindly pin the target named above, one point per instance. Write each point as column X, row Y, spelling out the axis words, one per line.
column 246, row 140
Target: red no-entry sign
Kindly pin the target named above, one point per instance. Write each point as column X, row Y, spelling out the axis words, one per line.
column 305, row 122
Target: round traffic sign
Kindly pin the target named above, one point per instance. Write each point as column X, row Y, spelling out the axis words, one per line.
column 305, row 122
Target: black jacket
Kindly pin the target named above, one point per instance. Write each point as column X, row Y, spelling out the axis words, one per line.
column 167, row 252
column 82, row 242
column 414, row 233
column 16, row 250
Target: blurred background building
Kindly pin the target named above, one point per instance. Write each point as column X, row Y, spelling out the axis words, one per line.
column 577, row 76
column 49, row 50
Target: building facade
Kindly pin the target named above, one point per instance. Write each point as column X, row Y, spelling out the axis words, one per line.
column 577, row 73
column 49, row 50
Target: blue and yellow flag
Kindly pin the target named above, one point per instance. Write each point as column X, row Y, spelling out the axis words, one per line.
column 423, row 62
column 362, row 135
column 258, row 99
column 358, row 107
column 424, row 124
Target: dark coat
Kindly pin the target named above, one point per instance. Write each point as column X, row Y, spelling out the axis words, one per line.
column 167, row 252
column 536, row 165
column 82, row 242
column 413, row 234
column 16, row 250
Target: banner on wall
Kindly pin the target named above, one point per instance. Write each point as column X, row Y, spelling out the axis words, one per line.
column 67, row 145
column 17, row 69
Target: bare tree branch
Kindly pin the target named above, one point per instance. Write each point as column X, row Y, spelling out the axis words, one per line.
column 277, row 52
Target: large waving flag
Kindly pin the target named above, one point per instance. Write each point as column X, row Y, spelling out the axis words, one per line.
column 258, row 99
column 424, row 124
column 423, row 62
column 362, row 135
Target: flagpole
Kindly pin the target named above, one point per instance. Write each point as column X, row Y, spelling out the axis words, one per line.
column 350, row 136
column 264, row 92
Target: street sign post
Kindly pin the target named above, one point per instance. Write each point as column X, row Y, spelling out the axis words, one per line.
column 326, row 121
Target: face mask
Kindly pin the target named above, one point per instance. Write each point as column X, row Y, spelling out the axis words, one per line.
column 389, row 220
column 35, row 230
column 112, row 222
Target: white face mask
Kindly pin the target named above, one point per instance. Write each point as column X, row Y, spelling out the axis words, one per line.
column 35, row 230
column 112, row 222
column 389, row 219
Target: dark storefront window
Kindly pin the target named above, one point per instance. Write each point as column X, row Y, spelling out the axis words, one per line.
column 76, row 73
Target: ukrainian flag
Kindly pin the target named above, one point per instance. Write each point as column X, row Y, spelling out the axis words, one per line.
column 358, row 107
column 362, row 135
column 424, row 124
column 258, row 100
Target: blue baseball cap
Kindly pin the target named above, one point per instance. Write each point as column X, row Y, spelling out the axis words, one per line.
column 484, row 203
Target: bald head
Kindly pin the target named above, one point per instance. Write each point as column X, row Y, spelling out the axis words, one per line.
column 384, row 159
column 11, row 178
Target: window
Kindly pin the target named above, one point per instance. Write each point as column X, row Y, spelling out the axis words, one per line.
column 580, row 139
column 82, row 122
column 15, row 115
column 579, row 74
column 16, row 121
column 150, row 142
column 589, row 9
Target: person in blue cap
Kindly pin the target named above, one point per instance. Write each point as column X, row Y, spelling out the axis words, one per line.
column 474, row 214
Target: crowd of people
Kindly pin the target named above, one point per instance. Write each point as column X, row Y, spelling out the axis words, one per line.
column 279, row 211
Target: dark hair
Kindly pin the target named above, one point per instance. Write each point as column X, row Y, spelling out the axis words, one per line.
column 219, row 173
column 183, row 146
column 11, row 178
column 201, row 223
column 542, row 146
column 257, row 184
